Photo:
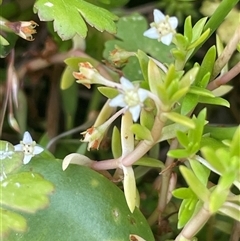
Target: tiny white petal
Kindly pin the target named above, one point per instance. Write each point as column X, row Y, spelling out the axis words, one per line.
column 126, row 84
column 167, row 39
column 135, row 111
column 37, row 150
column 158, row 16
column 173, row 22
column 27, row 137
column 27, row 159
column 143, row 94
column 151, row 33
column 117, row 101
column 18, row 147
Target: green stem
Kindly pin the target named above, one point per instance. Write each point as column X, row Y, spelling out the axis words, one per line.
column 219, row 15
column 194, row 225
column 217, row 18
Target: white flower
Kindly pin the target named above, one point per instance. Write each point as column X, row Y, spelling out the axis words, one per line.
column 163, row 27
column 131, row 97
column 29, row 147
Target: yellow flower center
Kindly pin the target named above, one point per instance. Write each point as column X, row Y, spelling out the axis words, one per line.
column 163, row 27
column 131, row 98
column 28, row 148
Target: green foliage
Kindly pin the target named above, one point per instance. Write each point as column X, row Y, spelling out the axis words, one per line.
column 136, row 25
column 69, row 17
column 187, row 43
column 69, row 99
column 141, row 132
column 149, row 162
column 108, row 92
column 191, row 140
column 162, row 128
column 11, row 221
column 218, row 198
column 116, row 143
column 7, row 43
column 206, row 67
column 81, row 193
column 7, row 153
column 109, row 3
column 25, row 192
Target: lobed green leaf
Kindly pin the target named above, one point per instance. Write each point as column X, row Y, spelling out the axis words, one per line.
column 11, row 221
column 69, row 17
column 26, row 191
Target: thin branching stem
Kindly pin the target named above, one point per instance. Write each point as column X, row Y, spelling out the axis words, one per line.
column 225, row 78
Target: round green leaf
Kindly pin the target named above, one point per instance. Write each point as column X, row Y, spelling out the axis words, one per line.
column 84, row 206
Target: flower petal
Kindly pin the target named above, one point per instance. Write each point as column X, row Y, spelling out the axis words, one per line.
column 126, row 84
column 173, row 22
column 143, row 94
column 158, row 16
column 27, row 159
column 151, row 33
column 167, row 39
column 117, row 101
column 76, row 158
column 18, row 147
column 37, row 150
column 135, row 111
column 27, row 137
